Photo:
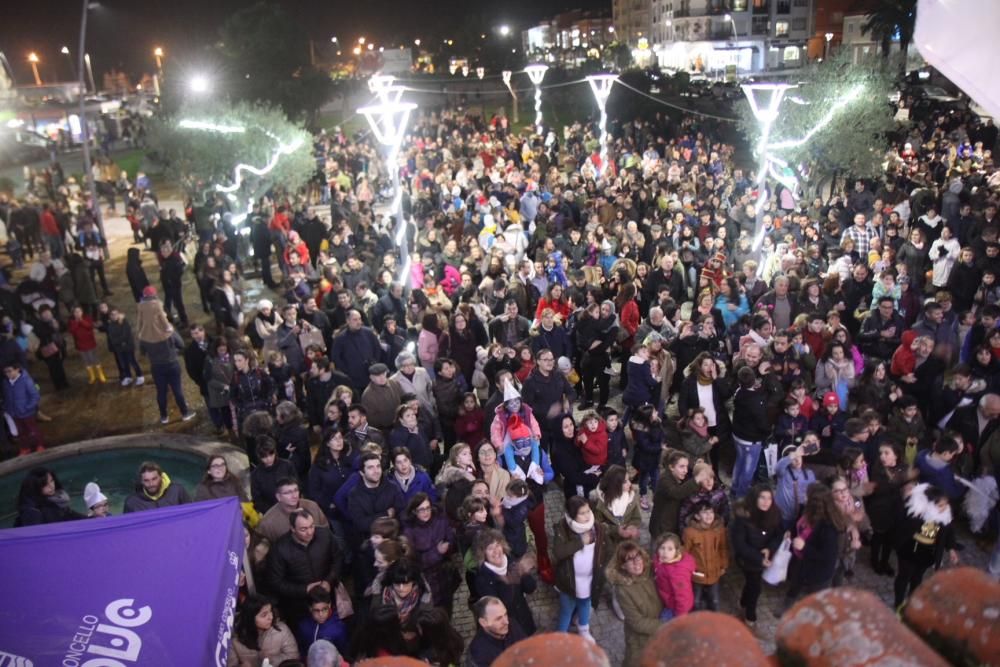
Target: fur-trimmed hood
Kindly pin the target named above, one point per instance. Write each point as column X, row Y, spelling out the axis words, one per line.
column 919, row 506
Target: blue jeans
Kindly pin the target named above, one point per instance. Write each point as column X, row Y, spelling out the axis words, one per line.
column 168, row 377
column 747, row 455
column 567, row 605
column 126, row 361
column 706, row 597
column 652, row 475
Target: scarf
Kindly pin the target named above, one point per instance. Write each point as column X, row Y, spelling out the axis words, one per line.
column 619, row 505
column 701, row 431
column 404, row 482
column 510, row 502
column 404, row 606
column 501, row 570
column 703, row 380
column 580, row 528
column 843, row 370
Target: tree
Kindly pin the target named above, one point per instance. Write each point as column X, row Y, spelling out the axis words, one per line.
column 266, row 56
column 843, row 136
column 203, row 157
column 889, row 18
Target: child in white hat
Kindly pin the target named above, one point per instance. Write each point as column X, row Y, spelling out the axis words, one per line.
column 96, row 501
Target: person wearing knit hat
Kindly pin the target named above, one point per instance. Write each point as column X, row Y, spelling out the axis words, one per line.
column 96, row 501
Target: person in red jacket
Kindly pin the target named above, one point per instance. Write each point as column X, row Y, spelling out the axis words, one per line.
column 81, row 328
column 593, row 440
column 553, row 299
column 298, row 246
column 674, row 569
column 470, row 420
column 51, row 232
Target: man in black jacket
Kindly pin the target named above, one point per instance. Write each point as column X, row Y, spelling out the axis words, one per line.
column 171, row 275
column 495, row 631
column 548, row 393
column 195, row 355
column 300, row 560
column 354, row 349
column 750, row 429
column 374, row 497
column 882, row 331
column 665, row 275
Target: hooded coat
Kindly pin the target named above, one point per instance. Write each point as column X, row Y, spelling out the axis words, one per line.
column 565, row 543
column 641, row 606
column 152, row 325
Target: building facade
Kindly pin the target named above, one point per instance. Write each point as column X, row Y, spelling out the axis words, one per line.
column 633, row 20
column 569, row 38
column 717, row 37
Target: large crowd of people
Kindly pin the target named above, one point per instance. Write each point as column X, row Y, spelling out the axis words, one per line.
column 711, row 387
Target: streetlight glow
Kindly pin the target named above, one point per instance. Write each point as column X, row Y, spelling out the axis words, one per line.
column 536, row 73
column 32, row 57
column 505, row 30
column 64, row 50
column 199, row 83
column 416, row 42
column 158, row 52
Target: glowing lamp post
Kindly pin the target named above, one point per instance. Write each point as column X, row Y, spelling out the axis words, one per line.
column 601, row 84
column 765, row 99
column 388, row 120
column 480, row 72
column 536, row 73
column 33, row 59
column 506, row 80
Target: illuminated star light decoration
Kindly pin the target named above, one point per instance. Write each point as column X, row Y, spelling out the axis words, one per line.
column 536, row 73
column 765, row 101
column 282, row 150
column 388, row 120
column 601, row 84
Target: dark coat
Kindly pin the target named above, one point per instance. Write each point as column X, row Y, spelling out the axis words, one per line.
column 667, row 500
column 424, row 538
column 419, row 446
column 264, row 483
column 750, row 415
column 353, row 352
column 541, row 393
column 747, row 539
column 511, row 590
column 565, row 543
column 32, row 512
column 292, row 566
column 484, row 648
column 365, row 504
column 326, row 476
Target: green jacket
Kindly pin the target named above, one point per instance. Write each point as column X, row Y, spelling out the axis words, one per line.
column 632, row 516
column 641, row 606
column 565, row 543
column 667, row 501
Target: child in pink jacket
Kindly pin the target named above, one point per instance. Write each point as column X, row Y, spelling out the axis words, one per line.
column 674, row 569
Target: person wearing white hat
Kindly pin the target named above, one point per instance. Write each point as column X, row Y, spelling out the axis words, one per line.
column 96, row 501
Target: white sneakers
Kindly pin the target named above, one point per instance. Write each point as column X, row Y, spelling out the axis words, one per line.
column 139, row 381
column 189, row 416
column 584, row 631
column 126, row 382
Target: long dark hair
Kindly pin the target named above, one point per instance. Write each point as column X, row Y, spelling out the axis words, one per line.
column 245, row 629
column 440, row 643
column 820, row 506
column 769, row 520
column 32, row 485
column 381, row 632
column 612, row 483
column 324, row 458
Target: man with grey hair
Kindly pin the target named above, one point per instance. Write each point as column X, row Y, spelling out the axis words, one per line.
column 779, row 303
column 323, row 654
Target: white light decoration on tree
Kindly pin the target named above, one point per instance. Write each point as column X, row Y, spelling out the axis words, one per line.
column 765, row 101
column 601, row 84
column 388, row 120
column 507, row 74
column 536, row 73
column 189, row 124
column 282, row 150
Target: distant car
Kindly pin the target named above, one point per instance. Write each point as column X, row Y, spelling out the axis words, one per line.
column 935, row 96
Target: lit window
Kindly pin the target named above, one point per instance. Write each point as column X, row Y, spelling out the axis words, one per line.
column 780, row 28
column 790, row 54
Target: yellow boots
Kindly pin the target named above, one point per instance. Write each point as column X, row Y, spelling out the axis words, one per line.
column 96, row 374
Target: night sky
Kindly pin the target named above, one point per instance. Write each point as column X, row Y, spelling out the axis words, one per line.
column 122, row 33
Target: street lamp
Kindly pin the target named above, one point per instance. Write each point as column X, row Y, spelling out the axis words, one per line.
column 729, row 17
column 480, row 72
column 198, row 84
column 506, row 80
column 601, row 84
column 416, row 42
column 65, row 51
column 505, row 30
column 90, row 72
column 158, row 54
column 33, row 59
column 826, row 47
column 88, row 175
column 536, row 73
column 333, row 39
column 388, row 121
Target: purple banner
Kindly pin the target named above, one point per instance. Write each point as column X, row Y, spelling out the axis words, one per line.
column 150, row 588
